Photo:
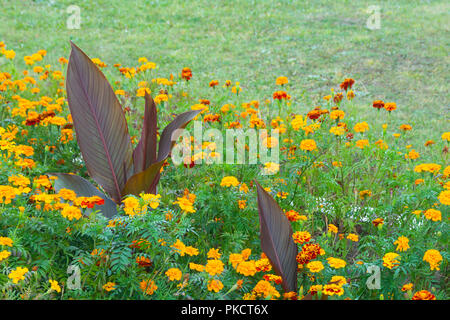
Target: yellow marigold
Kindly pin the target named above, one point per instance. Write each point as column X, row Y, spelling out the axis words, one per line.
column 413, row 154
column 332, row 228
column 148, row 287
column 365, row 193
column 315, row 266
column 338, row 280
column 173, row 274
column 67, row 194
column 54, row 285
column 71, row 212
column 427, row 167
column 109, row 286
column 446, row 136
column 229, row 181
column 215, row 285
column 235, row 259
column 405, row 127
column 214, row 266
column 131, row 206
column 353, row 237
column 402, row 243
column 298, row 122
column 196, row 267
column 333, row 289
column 433, row 214
column 271, row 167
column 337, row 130
column 336, row 263
column 301, row 237
column 213, row 254
column 4, row 255
column 407, row 287
column 246, row 268
column 308, row 145
column 337, row 114
column 390, row 106
column 434, row 258
column 265, row 290
column 281, row 81
column 444, row 197
column 18, row 274
column 391, row 260
column 423, row 295
column 5, row 241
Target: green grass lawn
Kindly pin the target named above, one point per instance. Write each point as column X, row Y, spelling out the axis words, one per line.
column 316, row 44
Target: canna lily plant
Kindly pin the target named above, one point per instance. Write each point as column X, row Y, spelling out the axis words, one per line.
column 277, row 242
column 105, row 144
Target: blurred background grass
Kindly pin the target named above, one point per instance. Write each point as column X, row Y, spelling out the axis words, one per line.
column 316, row 44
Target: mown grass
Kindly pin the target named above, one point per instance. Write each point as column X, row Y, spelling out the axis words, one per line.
column 314, row 43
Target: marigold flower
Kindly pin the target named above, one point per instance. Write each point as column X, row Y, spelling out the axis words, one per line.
column 71, row 212
column 353, row 237
column 434, row 258
column 308, row 145
column 246, row 268
column 18, row 274
column 213, row 254
column 109, row 286
column 215, row 285
column 173, row 274
column 347, row 84
column 336, row 263
column 433, row 214
column 196, row 267
column 332, row 228
column 361, row 127
column 281, row 81
column 444, row 197
column 235, row 259
column 407, row 287
column 54, row 285
column 186, row 73
column 402, row 243
column 378, row 222
column 5, row 241
column 229, row 181
column 315, row 266
column 301, row 237
column 148, row 287
column 423, row 295
column 4, row 255
column 337, row 114
column 214, row 267
column 265, row 290
column 390, row 106
column 391, row 260
column 333, row 289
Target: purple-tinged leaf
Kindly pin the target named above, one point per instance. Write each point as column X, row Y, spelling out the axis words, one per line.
column 99, row 122
column 145, row 152
column 276, row 239
column 84, row 188
column 169, row 134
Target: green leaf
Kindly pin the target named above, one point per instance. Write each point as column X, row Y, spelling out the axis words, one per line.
column 144, row 181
